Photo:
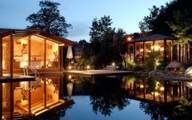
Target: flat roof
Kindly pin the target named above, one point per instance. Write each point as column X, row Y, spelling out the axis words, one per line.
column 153, row 37
column 26, row 32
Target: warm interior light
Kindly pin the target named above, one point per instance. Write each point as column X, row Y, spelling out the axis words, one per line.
column 24, row 85
column 24, row 61
column 62, row 44
column 161, row 49
column 141, row 86
column 129, row 38
column 70, row 76
column 23, row 42
column 141, row 50
column 155, row 47
column 69, row 67
column 155, row 93
column 24, row 102
column 88, row 67
column 113, row 64
column 162, row 88
column 3, row 64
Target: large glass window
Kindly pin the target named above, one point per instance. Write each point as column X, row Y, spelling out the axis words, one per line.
column 139, row 52
column 37, row 52
column 52, row 54
column 159, row 47
column 6, row 56
column 148, row 49
column 21, row 53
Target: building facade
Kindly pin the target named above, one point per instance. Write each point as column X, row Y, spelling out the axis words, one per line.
column 24, row 52
column 141, row 45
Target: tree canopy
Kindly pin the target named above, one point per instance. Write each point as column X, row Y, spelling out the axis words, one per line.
column 49, row 19
column 106, row 42
column 175, row 18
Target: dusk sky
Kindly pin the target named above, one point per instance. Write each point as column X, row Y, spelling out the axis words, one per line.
column 125, row 14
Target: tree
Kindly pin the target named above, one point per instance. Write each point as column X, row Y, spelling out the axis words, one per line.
column 175, row 18
column 99, row 28
column 107, row 43
column 48, row 19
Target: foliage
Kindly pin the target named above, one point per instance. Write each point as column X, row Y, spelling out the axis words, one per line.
column 128, row 64
column 183, row 111
column 87, row 57
column 152, row 62
column 107, row 43
column 107, row 95
column 155, row 21
column 175, row 18
column 48, row 19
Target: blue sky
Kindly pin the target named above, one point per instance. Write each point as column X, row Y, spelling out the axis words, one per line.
column 125, row 14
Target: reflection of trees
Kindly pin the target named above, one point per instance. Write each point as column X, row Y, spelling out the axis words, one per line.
column 107, row 94
column 183, row 111
column 156, row 111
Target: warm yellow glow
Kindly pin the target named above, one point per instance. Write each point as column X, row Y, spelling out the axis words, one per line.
column 3, row 64
column 88, row 67
column 69, row 67
column 162, row 88
column 141, row 50
column 24, row 85
column 113, row 64
column 155, row 93
column 24, row 61
column 4, row 45
column 23, row 42
column 141, row 86
column 129, row 38
column 161, row 49
column 157, row 63
column 62, row 44
column 157, row 85
column 24, row 102
column 155, row 47
column 70, row 76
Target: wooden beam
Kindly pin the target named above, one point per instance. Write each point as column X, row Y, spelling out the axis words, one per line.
column 1, row 56
column 45, row 93
column 29, row 100
column 1, row 99
column 61, row 57
column 171, row 50
column 11, row 100
column 11, row 54
column 179, row 53
column 45, row 52
column 29, row 51
column 143, row 52
column 165, row 51
column 134, row 51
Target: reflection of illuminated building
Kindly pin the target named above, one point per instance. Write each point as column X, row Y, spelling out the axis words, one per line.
column 31, row 97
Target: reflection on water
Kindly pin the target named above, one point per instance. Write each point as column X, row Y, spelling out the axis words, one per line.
column 30, row 97
column 105, row 98
column 110, row 97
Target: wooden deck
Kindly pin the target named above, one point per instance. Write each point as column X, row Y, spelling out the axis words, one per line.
column 18, row 78
column 97, row 72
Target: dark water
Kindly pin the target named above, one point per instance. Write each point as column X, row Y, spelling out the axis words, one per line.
column 83, row 110
column 117, row 98
column 105, row 98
